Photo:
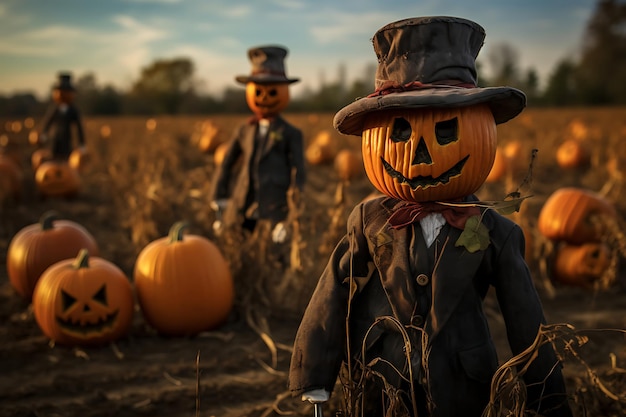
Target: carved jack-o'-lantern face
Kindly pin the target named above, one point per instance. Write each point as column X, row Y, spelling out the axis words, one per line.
column 83, row 301
column 57, row 179
column 63, row 96
column 429, row 154
column 267, row 100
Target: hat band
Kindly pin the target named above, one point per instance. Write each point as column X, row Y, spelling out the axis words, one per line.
column 393, row 87
column 266, row 72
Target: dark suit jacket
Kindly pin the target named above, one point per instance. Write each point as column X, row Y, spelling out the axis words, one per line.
column 259, row 173
column 61, row 124
column 445, row 303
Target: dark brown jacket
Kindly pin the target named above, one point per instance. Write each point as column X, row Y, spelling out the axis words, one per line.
column 260, row 173
column 61, row 122
column 446, row 302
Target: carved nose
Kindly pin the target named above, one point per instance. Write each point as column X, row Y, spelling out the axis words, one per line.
column 422, row 156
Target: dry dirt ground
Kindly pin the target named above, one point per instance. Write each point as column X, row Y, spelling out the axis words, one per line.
column 231, row 371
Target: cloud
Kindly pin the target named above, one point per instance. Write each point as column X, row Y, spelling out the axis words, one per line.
column 156, row 1
column 345, row 27
column 46, row 41
column 236, row 11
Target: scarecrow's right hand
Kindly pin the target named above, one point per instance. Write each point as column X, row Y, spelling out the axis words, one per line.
column 219, row 204
column 316, row 396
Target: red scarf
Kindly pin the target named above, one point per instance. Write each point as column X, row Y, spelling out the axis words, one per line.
column 411, row 212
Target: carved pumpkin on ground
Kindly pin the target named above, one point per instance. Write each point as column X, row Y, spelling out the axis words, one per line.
column 429, row 154
column 37, row 246
column 57, row 179
column 83, row 301
column 570, row 214
column 183, row 283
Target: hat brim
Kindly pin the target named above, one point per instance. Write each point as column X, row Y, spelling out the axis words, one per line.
column 265, row 79
column 505, row 103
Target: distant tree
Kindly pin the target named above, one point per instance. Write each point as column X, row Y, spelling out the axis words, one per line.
column 504, row 61
column 234, row 100
column 91, row 99
column 603, row 60
column 562, row 89
column 165, row 85
column 21, row 104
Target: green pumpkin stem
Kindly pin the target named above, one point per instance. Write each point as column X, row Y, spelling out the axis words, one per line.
column 176, row 232
column 47, row 219
column 82, row 260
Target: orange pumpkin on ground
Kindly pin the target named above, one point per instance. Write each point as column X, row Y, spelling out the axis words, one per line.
column 581, row 265
column 348, row 165
column 80, row 159
column 183, row 283
column 37, row 246
column 39, row 157
column 567, row 215
column 429, row 154
column 83, row 301
column 57, row 179
column 11, row 178
column 318, row 153
column 573, row 154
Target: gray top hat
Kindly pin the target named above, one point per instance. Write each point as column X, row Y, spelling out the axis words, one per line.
column 428, row 62
column 268, row 66
column 64, row 82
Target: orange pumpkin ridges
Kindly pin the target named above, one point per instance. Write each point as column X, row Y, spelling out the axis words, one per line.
column 567, row 215
column 183, row 284
column 267, row 100
column 35, row 247
column 84, row 301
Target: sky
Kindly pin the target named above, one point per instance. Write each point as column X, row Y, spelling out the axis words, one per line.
column 115, row 39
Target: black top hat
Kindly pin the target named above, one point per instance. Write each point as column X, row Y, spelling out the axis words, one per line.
column 267, row 66
column 64, row 82
column 428, row 62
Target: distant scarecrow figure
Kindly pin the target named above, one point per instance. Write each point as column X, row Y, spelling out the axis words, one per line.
column 400, row 300
column 264, row 154
column 58, row 122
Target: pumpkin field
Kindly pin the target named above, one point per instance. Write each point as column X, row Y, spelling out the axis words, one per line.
column 142, row 176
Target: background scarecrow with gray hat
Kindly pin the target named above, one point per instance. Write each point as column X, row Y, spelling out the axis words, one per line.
column 263, row 153
column 399, row 307
column 62, row 118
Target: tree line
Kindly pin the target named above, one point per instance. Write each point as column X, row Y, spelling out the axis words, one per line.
column 168, row 86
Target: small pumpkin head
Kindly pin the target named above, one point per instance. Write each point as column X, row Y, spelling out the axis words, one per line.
column 429, row 154
column 83, row 301
column 267, row 100
column 581, row 265
column 63, row 96
column 57, row 179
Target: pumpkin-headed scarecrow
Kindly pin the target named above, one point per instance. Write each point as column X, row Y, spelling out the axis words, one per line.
column 399, row 305
column 62, row 117
column 264, row 153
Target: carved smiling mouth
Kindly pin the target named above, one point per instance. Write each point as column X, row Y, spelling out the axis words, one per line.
column 425, row 181
column 83, row 330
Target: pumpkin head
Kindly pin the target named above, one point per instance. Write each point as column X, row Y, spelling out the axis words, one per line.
column 267, row 100
column 568, row 215
column 184, row 285
column 581, row 265
column 429, row 154
column 37, row 246
column 57, row 179
column 63, row 96
column 83, row 301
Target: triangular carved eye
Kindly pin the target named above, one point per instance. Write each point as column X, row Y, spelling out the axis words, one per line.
column 447, row 131
column 67, row 300
column 101, row 295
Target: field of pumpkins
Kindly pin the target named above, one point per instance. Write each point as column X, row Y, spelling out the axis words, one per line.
column 117, row 298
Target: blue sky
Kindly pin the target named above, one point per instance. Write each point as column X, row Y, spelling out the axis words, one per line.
column 116, row 38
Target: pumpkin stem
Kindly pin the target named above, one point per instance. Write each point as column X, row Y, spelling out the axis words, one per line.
column 82, row 260
column 47, row 218
column 176, row 232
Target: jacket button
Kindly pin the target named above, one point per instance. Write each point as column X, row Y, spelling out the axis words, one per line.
column 422, row 279
column 417, row 320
